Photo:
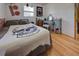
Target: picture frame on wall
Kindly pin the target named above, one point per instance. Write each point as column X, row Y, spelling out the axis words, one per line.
column 39, row 11
column 14, row 10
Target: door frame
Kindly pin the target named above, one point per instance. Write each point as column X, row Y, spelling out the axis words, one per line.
column 75, row 20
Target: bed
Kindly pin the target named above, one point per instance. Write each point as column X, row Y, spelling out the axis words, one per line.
column 20, row 46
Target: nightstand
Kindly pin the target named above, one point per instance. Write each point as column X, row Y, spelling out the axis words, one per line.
column 39, row 22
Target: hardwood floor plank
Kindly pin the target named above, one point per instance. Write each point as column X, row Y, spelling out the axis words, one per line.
column 63, row 46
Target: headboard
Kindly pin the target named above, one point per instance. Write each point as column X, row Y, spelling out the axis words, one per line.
column 2, row 22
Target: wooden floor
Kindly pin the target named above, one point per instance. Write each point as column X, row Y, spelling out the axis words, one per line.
column 63, row 46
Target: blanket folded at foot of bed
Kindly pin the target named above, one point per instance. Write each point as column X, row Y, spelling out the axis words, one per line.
column 25, row 31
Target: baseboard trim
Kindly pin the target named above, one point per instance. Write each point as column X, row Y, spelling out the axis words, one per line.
column 68, row 36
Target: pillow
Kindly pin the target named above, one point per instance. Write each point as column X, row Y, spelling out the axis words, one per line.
column 23, row 21
column 12, row 22
column 16, row 22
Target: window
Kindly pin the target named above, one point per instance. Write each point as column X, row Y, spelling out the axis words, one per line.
column 28, row 11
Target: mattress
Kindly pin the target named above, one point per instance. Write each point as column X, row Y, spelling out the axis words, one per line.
column 23, row 45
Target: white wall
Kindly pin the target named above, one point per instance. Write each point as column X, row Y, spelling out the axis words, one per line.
column 64, row 11
column 2, row 10
column 21, row 7
column 59, row 10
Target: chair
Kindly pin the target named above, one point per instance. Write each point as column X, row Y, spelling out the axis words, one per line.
column 46, row 24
